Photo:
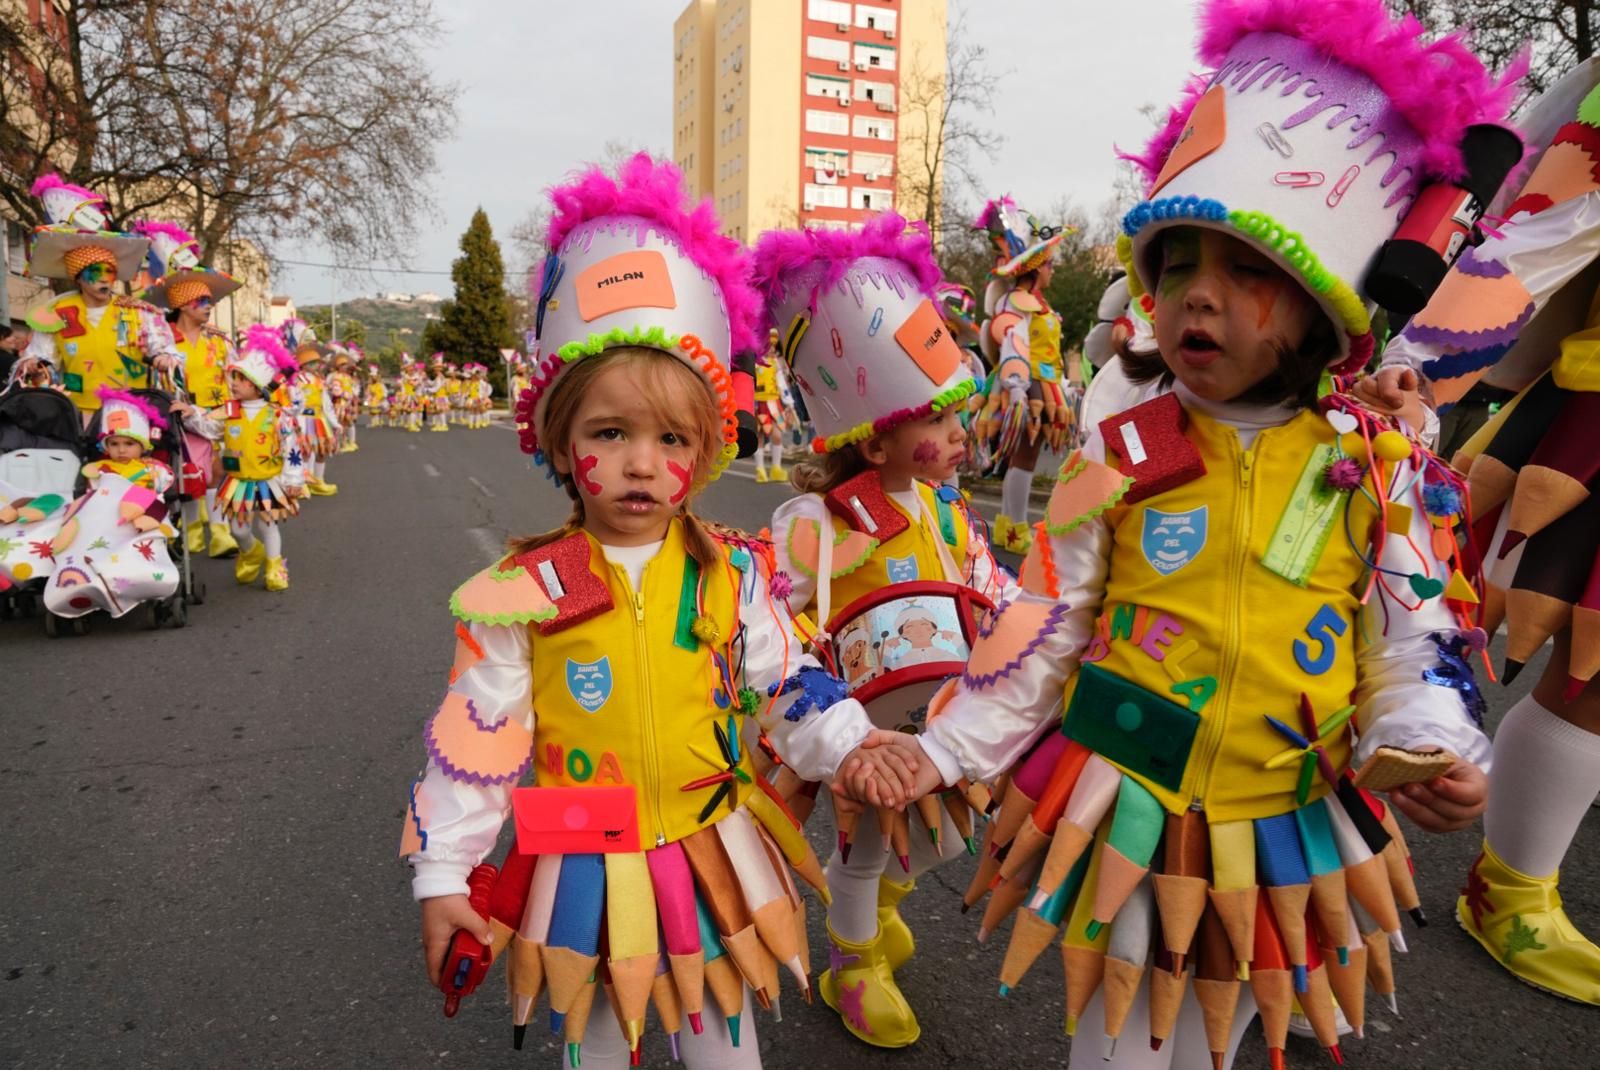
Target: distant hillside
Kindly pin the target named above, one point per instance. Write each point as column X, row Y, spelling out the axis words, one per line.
column 380, row 318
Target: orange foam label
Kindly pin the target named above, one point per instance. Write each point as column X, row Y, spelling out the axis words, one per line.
column 635, row 279
column 1204, row 134
column 926, row 339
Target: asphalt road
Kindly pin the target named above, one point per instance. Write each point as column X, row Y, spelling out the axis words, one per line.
column 200, row 829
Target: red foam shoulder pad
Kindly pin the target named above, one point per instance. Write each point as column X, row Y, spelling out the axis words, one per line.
column 564, row 571
column 862, row 504
column 1147, row 442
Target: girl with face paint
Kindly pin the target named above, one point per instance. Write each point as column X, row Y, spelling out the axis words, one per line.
column 886, row 385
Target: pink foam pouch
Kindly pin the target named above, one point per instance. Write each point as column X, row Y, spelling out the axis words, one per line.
column 564, row 821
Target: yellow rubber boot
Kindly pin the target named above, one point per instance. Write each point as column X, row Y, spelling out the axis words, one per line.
column 247, row 566
column 1519, row 920
column 1011, row 536
column 779, row 475
column 277, row 574
column 898, row 943
column 761, row 474
column 194, row 536
column 860, row 985
column 222, row 541
column 322, row 488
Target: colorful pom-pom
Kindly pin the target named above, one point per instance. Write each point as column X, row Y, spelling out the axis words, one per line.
column 705, row 629
column 1441, row 499
column 781, row 586
column 1343, row 474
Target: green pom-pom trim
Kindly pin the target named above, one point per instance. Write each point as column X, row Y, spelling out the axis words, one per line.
column 649, row 337
column 1293, row 249
column 749, row 701
column 1083, row 518
column 494, row 572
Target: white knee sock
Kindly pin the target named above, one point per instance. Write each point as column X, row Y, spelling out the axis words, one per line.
column 211, row 503
column 1014, row 494
column 853, row 915
column 318, row 467
column 605, row 1048
column 242, row 536
column 191, row 512
column 775, row 449
column 1545, row 775
column 271, row 537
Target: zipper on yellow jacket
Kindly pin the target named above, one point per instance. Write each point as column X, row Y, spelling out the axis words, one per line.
column 647, row 721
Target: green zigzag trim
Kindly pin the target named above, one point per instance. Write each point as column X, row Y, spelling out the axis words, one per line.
column 866, row 555
column 497, row 618
column 843, row 570
column 1067, row 475
column 1083, row 518
column 650, row 337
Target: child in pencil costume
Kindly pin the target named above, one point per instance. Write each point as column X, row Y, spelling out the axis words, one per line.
column 263, row 466
column 622, row 652
column 885, row 384
column 375, row 398
column 1531, row 473
column 1232, row 576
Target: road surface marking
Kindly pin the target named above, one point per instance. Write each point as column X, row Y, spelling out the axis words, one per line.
column 490, row 545
column 485, row 491
column 430, row 469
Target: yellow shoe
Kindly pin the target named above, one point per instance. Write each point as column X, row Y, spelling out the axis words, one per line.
column 194, row 536
column 897, row 942
column 222, row 541
column 860, row 985
column 277, row 574
column 1519, row 920
column 1011, row 536
column 779, row 475
column 761, row 474
column 247, row 566
column 322, row 488
column 348, row 447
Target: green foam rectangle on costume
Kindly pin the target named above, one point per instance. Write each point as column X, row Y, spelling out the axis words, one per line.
column 1137, row 729
column 1307, row 521
column 947, row 520
column 683, row 634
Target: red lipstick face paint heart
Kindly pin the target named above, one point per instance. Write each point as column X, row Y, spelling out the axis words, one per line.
column 685, row 476
column 581, row 467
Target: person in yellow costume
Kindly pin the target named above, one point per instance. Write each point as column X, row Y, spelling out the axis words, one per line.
column 452, row 393
column 1245, row 599
column 188, row 292
column 885, row 382
column 91, row 337
column 413, row 395
column 345, row 395
column 313, row 402
column 775, row 413
column 1026, row 409
column 375, row 399
column 436, row 394
column 1497, row 318
column 615, row 661
column 518, row 382
column 263, row 463
column 128, row 426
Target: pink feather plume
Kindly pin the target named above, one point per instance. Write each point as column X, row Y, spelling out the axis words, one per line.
column 886, row 235
column 1438, row 86
column 151, row 227
column 1158, row 148
column 654, row 190
column 45, row 183
column 150, row 412
column 269, row 342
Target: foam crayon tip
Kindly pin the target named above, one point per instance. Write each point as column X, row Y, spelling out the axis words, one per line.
column 1394, row 1004
column 1302, row 979
column 1512, row 540
column 1072, row 1025
column 1573, row 689
column 677, row 1053
column 1344, row 956
column 1274, row 1059
column 972, row 845
column 1005, row 990
column 1178, row 960
column 905, row 862
column 1217, row 1060
column 983, row 934
column 777, row 1009
column 844, row 845
column 1156, row 1042
column 1242, row 970
column 633, row 1056
column 1092, row 930
column 733, row 1029
column 1509, row 671
column 1110, row 1049
column 697, row 1025
column 574, row 1057
column 933, row 834
column 965, row 907
column 1336, row 1055
column 1360, row 1032
column 1397, row 939
column 1417, row 916
column 518, row 1034
column 557, row 1020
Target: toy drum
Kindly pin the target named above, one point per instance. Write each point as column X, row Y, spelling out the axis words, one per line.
column 896, row 646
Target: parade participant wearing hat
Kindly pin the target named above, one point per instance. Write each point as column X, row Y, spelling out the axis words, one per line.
column 187, row 293
column 959, row 307
column 376, row 397
column 664, row 627
column 774, row 412
column 1519, row 314
column 886, row 385
column 262, row 458
column 128, row 428
column 1233, row 575
column 1026, row 407
column 414, row 397
column 311, row 400
column 436, row 394
column 485, row 395
column 345, row 395
column 92, row 337
column 517, row 381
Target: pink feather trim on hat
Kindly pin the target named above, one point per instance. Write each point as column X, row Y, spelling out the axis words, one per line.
column 1158, row 148
column 1439, row 87
column 654, row 190
column 45, row 183
column 150, row 412
column 991, row 212
column 885, row 235
column 150, row 228
column 267, row 341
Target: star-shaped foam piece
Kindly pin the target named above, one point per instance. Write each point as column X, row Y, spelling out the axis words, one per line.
column 851, row 999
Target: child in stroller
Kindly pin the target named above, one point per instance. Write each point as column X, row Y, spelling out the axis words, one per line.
column 40, row 435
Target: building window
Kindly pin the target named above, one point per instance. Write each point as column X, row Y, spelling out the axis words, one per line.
column 869, row 126
column 874, row 57
column 826, row 196
column 871, row 200
column 876, row 92
column 823, row 85
column 872, row 163
column 828, row 48
column 827, row 122
column 876, row 18
column 828, row 11
column 825, row 159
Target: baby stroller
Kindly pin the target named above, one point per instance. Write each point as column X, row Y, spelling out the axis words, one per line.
column 41, row 436
column 178, row 590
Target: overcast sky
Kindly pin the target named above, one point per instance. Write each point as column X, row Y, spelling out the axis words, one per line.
column 544, row 86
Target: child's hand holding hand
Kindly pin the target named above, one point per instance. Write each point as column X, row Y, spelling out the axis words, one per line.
column 882, row 771
column 1448, row 802
column 1393, row 391
column 441, row 917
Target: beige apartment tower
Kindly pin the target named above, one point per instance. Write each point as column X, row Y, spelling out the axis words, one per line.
column 791, row 112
